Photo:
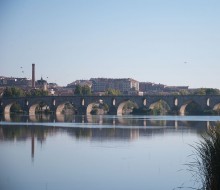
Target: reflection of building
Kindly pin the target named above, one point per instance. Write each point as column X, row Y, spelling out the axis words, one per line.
column 125, row 85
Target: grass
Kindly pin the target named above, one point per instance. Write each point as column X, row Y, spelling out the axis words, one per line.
column 206, row 165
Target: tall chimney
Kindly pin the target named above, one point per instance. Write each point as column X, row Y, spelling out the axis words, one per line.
column 33, row 75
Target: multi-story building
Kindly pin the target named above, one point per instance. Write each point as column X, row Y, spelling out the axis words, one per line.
column 12, row 81
column 148, row 86
column 125, row 85
column 152, row 88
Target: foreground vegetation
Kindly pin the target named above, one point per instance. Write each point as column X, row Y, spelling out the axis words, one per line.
column 206, row 165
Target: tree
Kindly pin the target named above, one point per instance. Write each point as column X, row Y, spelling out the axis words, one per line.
column 78, row 90
column 212, row 91
column 42, row 107
column 193, row 109
column 184, row 92
column 86, row 90
column 200, row 91
column 37, row 92
column 207, row 91
column 105, row 107
column 16, row 108
column 129, row 106
column 112, row 92
column 82, row 90
column 13, row 92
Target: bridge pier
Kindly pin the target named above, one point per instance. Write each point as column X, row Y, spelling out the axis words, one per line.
column 26, row 110
column 175, row 110
column 53, row 109
column 1, row 110
column 112, row 110
column 82, row 110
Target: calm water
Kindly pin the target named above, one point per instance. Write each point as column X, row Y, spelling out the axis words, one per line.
column 98, row 152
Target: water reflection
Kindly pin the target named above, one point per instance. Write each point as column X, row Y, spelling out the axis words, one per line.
column 144, row 149
column 95, row 128
column 145, row 121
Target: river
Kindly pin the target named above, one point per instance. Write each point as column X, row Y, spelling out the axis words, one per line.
column 69, row 152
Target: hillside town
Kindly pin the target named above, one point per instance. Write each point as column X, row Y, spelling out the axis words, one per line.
column 98, row 86
column 94, row 86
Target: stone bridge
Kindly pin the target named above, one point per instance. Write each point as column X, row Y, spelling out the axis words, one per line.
column 84, row 104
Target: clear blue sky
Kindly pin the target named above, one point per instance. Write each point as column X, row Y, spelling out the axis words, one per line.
column 174, row 42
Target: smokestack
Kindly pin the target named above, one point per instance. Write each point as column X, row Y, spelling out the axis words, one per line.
column 33, row 75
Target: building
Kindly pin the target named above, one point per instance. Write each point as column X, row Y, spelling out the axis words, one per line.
column 152, row 88
column 52, row 85
column 64, row 91
column 13, row 81
column 41, row 84
column 124, row 85
column 81, row 83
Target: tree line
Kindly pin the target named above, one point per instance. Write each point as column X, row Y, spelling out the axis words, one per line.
column 18, row 92
column 200, row 91
column 86, row 91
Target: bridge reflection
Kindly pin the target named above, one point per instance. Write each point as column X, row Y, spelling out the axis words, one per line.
column 94, row 128
column 129, row 120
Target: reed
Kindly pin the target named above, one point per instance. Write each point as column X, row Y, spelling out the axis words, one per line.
column 206, row 164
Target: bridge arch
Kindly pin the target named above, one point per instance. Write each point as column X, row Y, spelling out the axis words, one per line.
column 60, row 108
column 41, row 105
column 115, row 103
column 184, row 106
column 16, row 106
column 122, row 105
column 160, row 107
column 97, row 107
column 8, row 108
column 67, row 104
column 216, row 107
column 90, row 108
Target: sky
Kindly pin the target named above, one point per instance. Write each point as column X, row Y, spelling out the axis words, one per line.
column 172, row 42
